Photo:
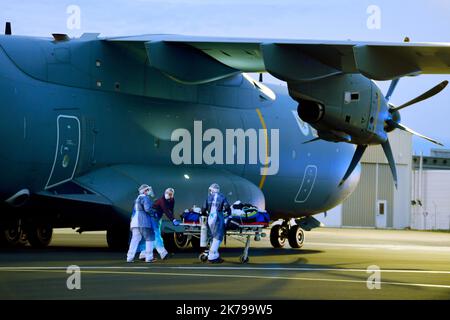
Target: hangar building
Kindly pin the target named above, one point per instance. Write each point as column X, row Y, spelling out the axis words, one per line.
column 431, row 191
column 376, row 203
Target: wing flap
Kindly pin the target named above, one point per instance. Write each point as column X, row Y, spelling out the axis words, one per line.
column 308, row 58
column 384, row 62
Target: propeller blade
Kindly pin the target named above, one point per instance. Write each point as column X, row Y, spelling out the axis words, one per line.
column 405, row 128
column 391, row 89
column 390, row 157
column 433, row 91
column 355, row 160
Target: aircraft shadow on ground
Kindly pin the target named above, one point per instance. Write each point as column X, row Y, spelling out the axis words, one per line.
column 70, row 253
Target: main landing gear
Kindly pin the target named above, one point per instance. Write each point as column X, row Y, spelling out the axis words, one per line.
column 286, row 230
column 16, row 233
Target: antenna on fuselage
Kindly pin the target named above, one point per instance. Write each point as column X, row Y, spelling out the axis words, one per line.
column 8, row 28
column 260, row 77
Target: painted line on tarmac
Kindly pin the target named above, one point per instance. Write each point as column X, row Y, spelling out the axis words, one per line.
column 203, row 275
column 380, row 246
column 231, row 269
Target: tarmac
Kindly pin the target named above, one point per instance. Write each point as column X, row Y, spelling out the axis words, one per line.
column 333, row 264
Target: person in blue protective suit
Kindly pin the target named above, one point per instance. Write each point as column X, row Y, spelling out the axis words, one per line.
column 141, row 226
column 214, row 206
column 163, row 205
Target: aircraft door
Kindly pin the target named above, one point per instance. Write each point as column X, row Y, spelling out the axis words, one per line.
column 68, row 136
column 381, row 214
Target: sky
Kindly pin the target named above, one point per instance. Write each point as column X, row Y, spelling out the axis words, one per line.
column 421, row 21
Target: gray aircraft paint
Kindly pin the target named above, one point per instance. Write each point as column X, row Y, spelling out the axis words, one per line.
column 124, row 127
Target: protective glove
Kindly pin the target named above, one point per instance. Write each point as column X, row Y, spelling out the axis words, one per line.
column 175, row 222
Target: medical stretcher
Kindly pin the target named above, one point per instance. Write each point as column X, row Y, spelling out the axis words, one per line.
column 239, row 230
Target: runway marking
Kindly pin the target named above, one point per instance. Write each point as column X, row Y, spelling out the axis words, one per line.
column 230, row 276
column 380, row 246
column 230, row 268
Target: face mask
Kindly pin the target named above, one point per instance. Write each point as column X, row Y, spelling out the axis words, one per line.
column 166, row 196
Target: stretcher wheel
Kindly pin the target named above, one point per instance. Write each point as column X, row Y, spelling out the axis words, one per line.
column 203, row 257
column 244, row 260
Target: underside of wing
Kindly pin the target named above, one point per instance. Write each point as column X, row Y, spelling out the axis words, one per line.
column 192, row 59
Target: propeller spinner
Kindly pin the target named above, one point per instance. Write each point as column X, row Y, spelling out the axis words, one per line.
column 392, row 122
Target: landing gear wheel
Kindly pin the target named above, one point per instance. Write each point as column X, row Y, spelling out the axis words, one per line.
column 175, row 241
column 40, row 236
column 244, row 260
column 203, row 257
column 12, row 236
column 296, row 237
column 118, row 237
column 277, row 236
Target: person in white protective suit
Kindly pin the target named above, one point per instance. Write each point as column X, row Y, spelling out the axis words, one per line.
column 214, row 206
column 141, row 225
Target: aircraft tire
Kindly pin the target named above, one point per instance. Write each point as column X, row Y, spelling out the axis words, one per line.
column 277, row 240
column 175, row 241
column 12, row 236
column 296, row 237
column 40, row 236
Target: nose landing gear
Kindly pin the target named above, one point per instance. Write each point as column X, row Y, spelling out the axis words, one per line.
column 292, row 232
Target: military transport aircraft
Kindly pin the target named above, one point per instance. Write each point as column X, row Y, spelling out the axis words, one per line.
column 85, row 121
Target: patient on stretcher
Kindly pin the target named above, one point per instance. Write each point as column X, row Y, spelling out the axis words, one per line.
column 241, row 213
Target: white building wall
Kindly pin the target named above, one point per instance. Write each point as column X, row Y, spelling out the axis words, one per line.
column 434, row 194
column 402, row 196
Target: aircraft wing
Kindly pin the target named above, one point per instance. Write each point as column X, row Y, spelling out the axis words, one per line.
column 194, row 59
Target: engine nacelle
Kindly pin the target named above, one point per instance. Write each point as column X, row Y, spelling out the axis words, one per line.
column 351, row 109
column 310, row 111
